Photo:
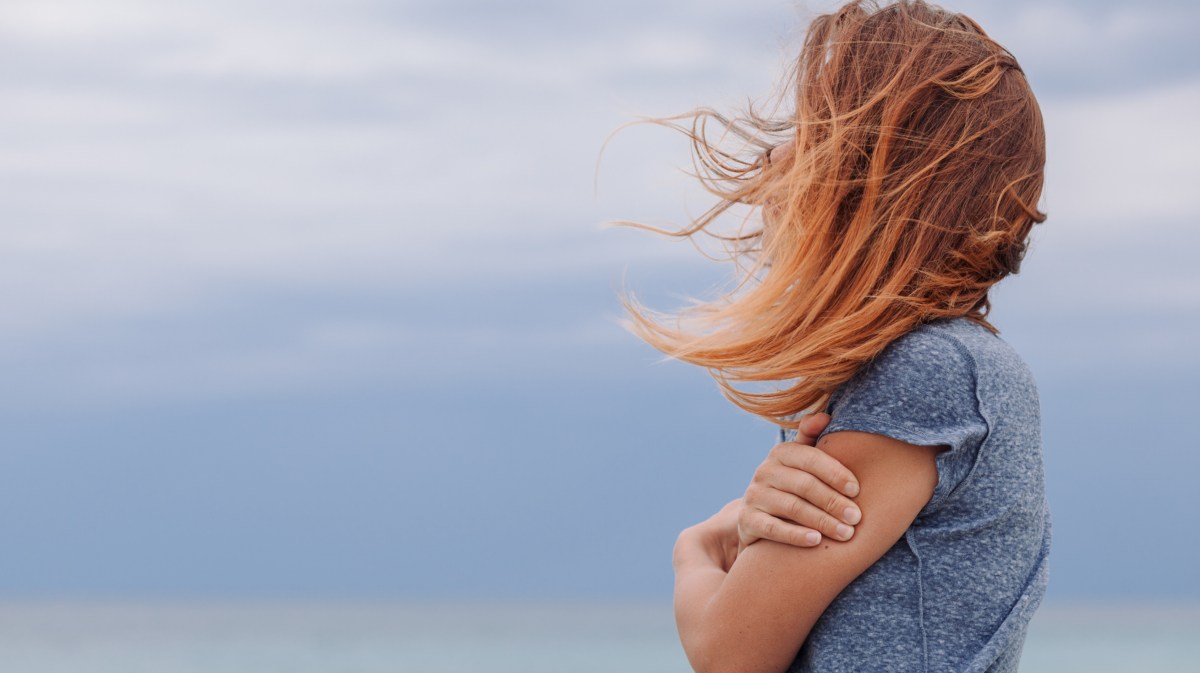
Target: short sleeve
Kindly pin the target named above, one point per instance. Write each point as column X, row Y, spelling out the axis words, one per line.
column 921, row 390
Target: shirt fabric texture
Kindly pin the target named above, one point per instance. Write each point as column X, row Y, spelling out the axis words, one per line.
column 956, row 593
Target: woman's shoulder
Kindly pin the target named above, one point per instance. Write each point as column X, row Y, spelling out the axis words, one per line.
column 958, row 339
column 998, row 369
column 954, row 352
column 930, row 361
column 944, row 373
column 921, row 389
column 984, row 346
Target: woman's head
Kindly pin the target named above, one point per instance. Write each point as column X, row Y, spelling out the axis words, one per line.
column 907, row 187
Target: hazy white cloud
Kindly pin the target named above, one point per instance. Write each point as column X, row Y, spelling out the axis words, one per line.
column 1122, row 164
column 1058, row 27
column 165, row 181
column 80, row 19
column 162, row 158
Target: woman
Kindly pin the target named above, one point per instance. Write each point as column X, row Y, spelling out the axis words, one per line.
column 905, row 189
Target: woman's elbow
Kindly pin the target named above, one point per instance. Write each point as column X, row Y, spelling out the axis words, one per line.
column 731, row 655
column 711, row 660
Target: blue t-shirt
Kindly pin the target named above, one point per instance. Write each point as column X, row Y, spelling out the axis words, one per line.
column 957, row 591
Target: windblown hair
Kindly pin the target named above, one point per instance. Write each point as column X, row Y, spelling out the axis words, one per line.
column 913, row 186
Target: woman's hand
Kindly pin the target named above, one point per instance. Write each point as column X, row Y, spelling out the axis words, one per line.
column 799, row 493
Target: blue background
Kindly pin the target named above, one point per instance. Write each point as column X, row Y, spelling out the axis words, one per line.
column 312, row 299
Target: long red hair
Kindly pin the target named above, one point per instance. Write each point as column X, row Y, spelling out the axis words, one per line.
column 917, row 167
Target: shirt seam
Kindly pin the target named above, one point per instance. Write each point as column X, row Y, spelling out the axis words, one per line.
column 856, row 423
column 910, row 537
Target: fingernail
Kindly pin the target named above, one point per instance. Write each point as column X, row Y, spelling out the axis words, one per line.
column 851, row 488
column 844, row 531
column 813, row 538
column 852, row 515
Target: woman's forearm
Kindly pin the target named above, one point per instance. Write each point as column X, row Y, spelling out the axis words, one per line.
column 699, row 572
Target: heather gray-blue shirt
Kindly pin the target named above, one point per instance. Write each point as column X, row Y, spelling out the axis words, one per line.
column 957, row 591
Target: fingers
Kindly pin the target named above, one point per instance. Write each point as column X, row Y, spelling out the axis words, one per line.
column 817, row 463
column 754, row 525
column 785, row 504
column 800, row 495
column 811, row 427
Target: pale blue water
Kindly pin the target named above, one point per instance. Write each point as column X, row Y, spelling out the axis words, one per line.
column 586, row 638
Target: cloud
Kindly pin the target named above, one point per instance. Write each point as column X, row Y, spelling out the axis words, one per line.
column 198, row 147
column 1121, row 164
column 79, row 19
column 1073, row 48
column 167, row 159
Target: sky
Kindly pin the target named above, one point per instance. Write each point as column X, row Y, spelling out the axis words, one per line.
column 314, row 299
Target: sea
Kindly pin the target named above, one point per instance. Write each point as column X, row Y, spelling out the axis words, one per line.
column 298, row 637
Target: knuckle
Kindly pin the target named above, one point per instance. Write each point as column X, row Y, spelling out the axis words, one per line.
column 770, row 528
column 802, row 457
column 805, row 482
column 827, row 525
column 752, row 497
column 795, row 510
column 833, row 505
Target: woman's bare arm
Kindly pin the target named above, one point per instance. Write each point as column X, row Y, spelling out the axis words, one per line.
column 752, row 615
